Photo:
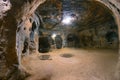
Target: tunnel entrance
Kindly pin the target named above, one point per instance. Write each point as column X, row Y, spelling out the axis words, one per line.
column 44, row 45
column 58, row 41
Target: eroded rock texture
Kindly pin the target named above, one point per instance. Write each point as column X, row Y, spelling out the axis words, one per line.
column 114, row 5
column 20, row 12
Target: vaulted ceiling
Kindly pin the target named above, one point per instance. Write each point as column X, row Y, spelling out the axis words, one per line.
column 81, row 14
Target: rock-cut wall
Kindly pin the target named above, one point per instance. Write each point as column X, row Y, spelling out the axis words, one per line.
column 22, row 9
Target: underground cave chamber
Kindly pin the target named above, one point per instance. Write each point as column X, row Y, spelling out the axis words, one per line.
column 76, row 34
column 77, row 24
column 79, row 38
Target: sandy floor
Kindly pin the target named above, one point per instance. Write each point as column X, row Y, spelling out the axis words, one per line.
column 84, row 65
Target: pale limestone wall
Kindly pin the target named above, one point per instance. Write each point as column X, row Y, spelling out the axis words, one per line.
column 4, row 6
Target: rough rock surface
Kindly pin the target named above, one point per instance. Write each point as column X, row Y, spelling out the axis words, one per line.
column 21, row 10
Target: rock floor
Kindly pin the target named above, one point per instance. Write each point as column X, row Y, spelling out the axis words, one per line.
column 84, row 64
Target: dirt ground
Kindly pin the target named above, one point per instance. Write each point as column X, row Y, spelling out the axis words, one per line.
column 85, row 64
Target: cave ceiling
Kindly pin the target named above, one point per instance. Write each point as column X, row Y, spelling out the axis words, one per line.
column 75, row 14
